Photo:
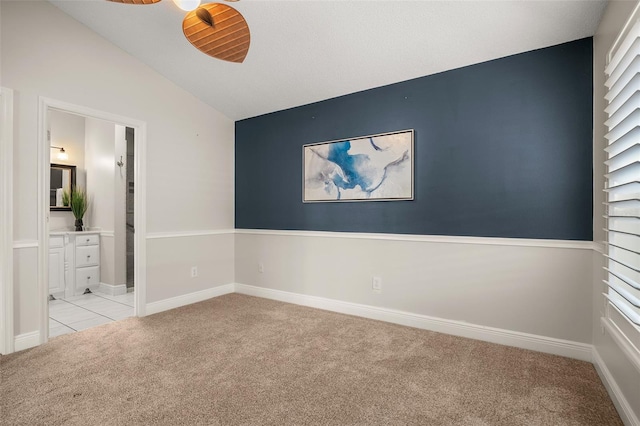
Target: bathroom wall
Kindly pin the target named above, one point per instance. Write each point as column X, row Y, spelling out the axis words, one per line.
column 105, row 143
column 93, row 147
column 130, row 208
column 119, row 208
column 100, row 152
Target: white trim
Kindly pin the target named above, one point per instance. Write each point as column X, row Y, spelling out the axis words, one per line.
column 24, row 244
column 524, row 242
column 187, row 299
column 140, row 218
column 625, row 29
column 581, row 351
column 112, row 290
column 6, row 221
column 140, row 149
column 108, row 234
column 617, row 396
column 27, row 340
column 621, row 340
column 43, row 214
column 177, row 234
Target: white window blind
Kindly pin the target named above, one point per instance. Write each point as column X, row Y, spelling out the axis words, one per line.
column 622, row 312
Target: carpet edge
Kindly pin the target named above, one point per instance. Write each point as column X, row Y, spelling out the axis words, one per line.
column 566, row 348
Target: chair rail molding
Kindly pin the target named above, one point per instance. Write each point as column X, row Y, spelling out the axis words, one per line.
column 186, row 234
column 450, row 239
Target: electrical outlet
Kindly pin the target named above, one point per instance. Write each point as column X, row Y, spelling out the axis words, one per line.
column 261, row 267
column 194, row 271
column 376, row 284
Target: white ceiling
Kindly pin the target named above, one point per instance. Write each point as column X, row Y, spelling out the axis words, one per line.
column 307, row 51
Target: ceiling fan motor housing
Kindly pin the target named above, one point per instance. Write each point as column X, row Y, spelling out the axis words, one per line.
column 204, row 16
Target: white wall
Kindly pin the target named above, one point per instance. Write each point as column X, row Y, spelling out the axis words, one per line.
column 189, row 144
column 537, row 290
column 623, row 373
column 212, row 254
column 100, row 163
column 67, row 131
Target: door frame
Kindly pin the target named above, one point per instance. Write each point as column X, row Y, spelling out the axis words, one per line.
column 140, row 149
column 6, row 221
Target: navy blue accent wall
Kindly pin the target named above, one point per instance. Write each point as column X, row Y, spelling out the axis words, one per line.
column 502, row 149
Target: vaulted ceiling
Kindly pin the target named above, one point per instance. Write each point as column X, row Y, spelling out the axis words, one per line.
column 307, row 51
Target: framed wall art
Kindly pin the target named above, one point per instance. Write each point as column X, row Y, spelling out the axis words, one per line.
column 367, row 168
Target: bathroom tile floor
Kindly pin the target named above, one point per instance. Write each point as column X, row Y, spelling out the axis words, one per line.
column 88, row 310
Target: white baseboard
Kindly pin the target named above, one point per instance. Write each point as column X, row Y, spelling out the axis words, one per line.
column 581, row 351
column 625, row 411
column 26, row 341
column 187, row 299
column 112, row 290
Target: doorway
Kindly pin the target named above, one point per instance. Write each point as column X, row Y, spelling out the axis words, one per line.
column 92, row 273
column 88, row 262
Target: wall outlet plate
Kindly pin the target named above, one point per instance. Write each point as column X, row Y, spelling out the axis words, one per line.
column 261, row 267
column 376, row 284
column 194, row 271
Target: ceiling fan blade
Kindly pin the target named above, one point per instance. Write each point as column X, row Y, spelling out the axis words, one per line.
column 218, row 30
column 135, row 1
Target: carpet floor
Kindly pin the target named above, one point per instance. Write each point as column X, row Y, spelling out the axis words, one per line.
column 241, row 360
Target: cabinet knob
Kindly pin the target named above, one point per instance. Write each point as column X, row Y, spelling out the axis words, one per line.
column 88, row 240
column 88, row 277
column 88, row 256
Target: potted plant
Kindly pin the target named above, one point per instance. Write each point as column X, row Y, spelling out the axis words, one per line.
column 66, row 198
column 79, row 205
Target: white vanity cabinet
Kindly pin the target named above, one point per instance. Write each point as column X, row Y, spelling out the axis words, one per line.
column 56, row 265
column 74, row 262
column 87, row 262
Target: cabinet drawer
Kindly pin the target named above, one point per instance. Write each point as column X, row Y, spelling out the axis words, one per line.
column 87, row 240
column 87, row 256
column 87, row 277
column 56, row 241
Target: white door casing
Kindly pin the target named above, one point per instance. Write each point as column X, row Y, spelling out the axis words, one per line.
column 6, row 221
column 140, row 127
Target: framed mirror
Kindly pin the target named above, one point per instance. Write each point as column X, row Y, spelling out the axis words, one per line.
column 63, row 180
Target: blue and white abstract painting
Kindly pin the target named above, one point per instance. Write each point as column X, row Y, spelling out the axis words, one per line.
column 378, row 167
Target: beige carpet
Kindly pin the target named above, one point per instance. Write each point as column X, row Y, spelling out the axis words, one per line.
column 240, row 360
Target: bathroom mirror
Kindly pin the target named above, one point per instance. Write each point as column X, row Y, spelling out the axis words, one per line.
column 63, row 179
